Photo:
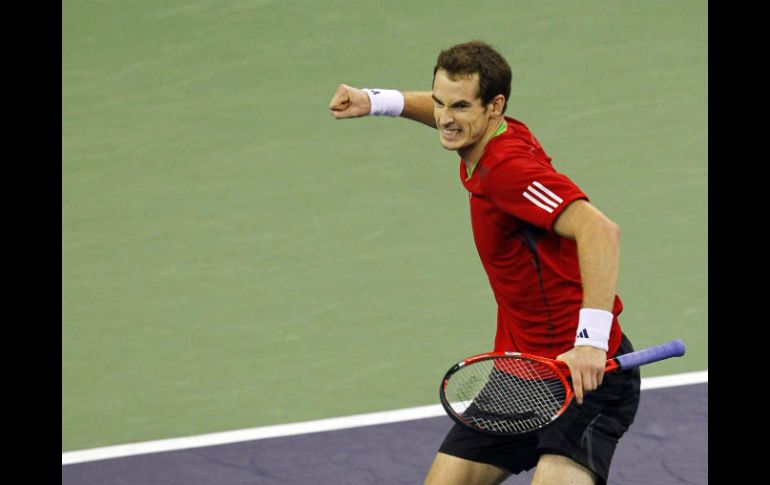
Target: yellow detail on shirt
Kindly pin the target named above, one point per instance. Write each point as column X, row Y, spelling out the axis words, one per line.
column 500, row 130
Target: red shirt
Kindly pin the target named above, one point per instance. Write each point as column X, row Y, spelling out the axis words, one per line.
column 515, row 197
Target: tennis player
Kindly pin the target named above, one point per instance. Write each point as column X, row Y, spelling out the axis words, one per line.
column 552, row 261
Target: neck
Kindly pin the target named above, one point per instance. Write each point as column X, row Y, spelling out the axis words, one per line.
column 471, row 155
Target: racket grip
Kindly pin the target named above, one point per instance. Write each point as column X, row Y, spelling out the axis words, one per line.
column 674, row 348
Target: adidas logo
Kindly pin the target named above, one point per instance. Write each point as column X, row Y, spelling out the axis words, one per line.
column 583, row 334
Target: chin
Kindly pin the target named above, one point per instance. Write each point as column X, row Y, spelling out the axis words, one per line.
column 450, row 145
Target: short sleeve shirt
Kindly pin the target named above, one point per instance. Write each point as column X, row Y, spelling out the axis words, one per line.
column 515, row 197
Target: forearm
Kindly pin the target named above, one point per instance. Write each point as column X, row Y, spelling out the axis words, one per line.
column 418, row 106
column 350, row 102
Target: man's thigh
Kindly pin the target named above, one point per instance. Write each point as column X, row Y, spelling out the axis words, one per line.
column 557, row 469
column 451, row 470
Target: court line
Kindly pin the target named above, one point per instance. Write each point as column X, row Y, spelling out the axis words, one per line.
column 331, row 424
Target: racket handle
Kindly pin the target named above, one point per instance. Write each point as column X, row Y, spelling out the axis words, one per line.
column 674, row 348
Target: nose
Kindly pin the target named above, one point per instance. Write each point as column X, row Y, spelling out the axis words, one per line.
column 444, row 117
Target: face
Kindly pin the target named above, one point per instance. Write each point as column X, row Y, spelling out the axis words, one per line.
column 461, row 118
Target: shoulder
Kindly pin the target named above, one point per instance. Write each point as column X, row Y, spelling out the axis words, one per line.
column 516, row 146
column 511, row 162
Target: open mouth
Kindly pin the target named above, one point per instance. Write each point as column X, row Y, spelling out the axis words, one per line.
column 450, row 133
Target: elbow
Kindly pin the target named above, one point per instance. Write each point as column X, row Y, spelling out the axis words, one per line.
column 613, row 231
column 604, row 228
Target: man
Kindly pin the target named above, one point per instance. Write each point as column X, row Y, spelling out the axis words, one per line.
column 552, row 260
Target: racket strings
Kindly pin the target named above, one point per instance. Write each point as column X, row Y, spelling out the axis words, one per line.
column 506, row 395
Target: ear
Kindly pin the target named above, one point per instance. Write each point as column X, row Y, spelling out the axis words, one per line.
column 496, row 105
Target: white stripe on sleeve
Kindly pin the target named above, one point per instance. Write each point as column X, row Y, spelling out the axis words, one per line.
column 542, row 187
column 542, row 197
column 537, row 202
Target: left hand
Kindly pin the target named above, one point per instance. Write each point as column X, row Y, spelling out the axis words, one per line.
column 587, row 367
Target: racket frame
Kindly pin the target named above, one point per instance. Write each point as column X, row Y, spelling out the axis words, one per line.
column 673, row 348
column 560, row 369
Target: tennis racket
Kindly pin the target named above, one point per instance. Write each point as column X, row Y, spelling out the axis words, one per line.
column 511, row 393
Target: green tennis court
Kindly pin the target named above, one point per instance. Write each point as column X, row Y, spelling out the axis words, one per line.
column 233, row 257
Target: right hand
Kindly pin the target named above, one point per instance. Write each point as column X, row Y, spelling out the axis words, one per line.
column 586, row 364
column 349, row 102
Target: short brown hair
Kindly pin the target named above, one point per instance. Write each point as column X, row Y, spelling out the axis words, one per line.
column 478, row 57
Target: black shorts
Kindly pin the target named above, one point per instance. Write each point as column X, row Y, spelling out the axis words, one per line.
column 588, row 434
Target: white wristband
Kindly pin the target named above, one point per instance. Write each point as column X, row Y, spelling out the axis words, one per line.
column 385, row 102
column 594, row 328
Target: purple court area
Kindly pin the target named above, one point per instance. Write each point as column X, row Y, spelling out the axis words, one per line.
column 666, row 445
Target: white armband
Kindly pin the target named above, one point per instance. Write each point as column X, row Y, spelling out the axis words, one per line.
column 594, row 328
column 385, row 102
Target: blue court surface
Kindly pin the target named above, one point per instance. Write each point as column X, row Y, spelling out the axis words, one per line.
column 666, row 445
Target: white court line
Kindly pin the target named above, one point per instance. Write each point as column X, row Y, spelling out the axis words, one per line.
column 369, row 419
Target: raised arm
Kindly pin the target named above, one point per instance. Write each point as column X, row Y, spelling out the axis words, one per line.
column 418, row 106
column 350, row 102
